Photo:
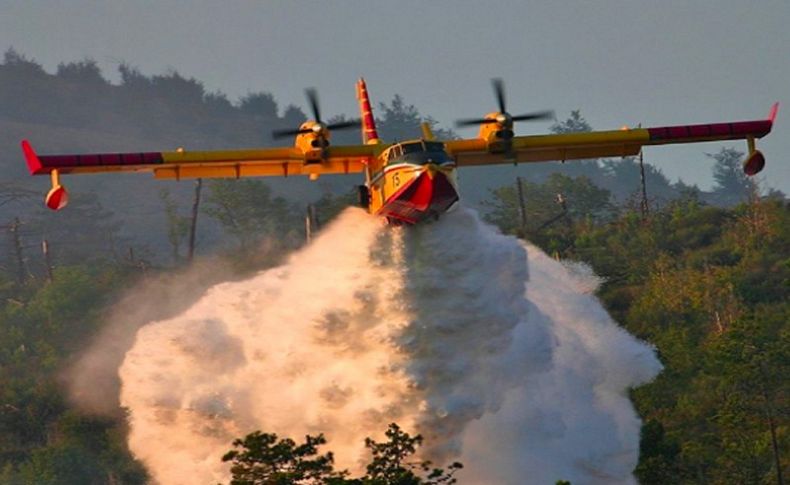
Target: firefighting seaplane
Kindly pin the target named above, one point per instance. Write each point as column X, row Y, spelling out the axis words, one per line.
column 405, row 182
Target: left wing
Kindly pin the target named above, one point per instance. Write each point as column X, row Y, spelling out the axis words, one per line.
column 201, row 164
column 208, row 164
column 490, row 150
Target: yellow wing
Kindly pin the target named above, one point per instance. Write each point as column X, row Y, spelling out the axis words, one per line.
column 210, row 164
column 488, row 149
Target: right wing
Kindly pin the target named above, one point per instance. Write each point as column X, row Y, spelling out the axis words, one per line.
column 597, row 144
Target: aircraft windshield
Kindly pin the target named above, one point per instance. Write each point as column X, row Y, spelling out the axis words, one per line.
column 412, row 148
column 421, row 152
column 434, row 146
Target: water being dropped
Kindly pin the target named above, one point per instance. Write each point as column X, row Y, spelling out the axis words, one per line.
column 498, row 355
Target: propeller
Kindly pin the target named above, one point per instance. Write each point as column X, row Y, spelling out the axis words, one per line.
column 503, row 117
column 319, row 128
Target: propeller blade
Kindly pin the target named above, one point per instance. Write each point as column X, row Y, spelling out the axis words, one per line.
column 503, row 116
column 319, row 128
column 312, row 98
column 537, row 115
column 343, row 125
column 473, row 122
column 499, row 91
column 289, row 132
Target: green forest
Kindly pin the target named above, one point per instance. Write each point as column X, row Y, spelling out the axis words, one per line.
column 704, row 276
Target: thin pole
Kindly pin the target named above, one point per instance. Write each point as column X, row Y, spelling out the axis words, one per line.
column 645, row 208
column 18, row 251
column 308, row 224
column 522, row 206
column 193, row 225
column 47, row 259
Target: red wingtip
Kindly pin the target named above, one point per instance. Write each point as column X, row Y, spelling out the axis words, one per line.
column 774, row 111
column 33, row 163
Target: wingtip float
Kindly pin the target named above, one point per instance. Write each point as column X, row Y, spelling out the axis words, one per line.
column 406, row 182
column 755, row 162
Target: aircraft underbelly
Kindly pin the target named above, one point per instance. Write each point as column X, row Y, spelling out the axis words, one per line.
column 427, row 195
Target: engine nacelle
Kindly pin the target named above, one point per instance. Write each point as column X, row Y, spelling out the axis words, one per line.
column 488, row 131
column 312, row 143
column 496, row 133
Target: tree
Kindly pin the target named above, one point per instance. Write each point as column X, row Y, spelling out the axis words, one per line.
column 293, row 116
column 575, row 124
column 248, row 210
column 40, row 440
column 389, row 465
column 61, row 465
column 14, row 60
column 550, row 208
column 259, row 104
column 180, row 91
column 657, row 455
column 329, row 206
column 401, row 121
column 132, row 79
column 98, row 237
column 86, row 72
column 263, row 459
column 750, row 363
column 177, row 225
column 25, row 89
column 623, row 176
column 732, row 184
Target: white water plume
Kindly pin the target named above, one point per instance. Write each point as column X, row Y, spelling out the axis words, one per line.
column 521, row 375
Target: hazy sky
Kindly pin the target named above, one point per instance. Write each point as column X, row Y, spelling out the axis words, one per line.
column 620, row 62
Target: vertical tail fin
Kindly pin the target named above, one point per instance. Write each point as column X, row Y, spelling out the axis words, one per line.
column 369, row 133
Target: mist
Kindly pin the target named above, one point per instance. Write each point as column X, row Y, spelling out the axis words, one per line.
column 498, row 355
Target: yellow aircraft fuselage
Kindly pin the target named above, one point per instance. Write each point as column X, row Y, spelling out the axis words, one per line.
column 411, row 181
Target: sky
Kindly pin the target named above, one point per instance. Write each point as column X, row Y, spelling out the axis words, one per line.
column 620, row 62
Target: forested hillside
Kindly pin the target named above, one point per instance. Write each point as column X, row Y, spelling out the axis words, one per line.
column 710, row 288
column 704, row 276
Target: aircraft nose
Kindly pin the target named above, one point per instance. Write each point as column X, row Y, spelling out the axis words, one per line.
column 431, row 169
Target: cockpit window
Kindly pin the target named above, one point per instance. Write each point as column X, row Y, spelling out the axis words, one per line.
column 421, row 152
column 394, row 152
column 414, row 147
column 434, row 146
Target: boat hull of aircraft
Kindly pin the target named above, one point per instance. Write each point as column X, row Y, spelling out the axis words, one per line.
column 427, row 195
